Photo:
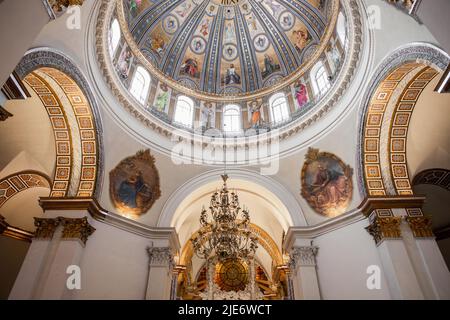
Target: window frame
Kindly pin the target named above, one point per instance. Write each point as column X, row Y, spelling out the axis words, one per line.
column 282, row 105
column 226, row 109
column 114, row 44
column 181, row 102
column 319, row 78
column 145, row 88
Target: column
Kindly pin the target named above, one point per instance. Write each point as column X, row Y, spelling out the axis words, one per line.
column 303, row 273
column 58, row 244
column 427, row 259
column 396, row 264
column 161, row 264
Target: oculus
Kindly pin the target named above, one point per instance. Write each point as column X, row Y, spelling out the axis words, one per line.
column 134, row 184
column 326, row 183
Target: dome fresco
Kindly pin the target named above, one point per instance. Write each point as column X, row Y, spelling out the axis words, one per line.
column 238, row 68
column 226, row 46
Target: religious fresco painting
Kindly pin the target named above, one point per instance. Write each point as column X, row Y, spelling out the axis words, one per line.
column 162, row 98
column 300, row 94
column 135, row 7
column 207, row 115
column 158, row 41
column 255, row 113
column 134, row 184
column 123, row 63
column 254, row 43
column 326, row 183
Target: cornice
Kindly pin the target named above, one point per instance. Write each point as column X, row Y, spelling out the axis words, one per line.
column 98, row 213
column 12, row 232
column 359, row 214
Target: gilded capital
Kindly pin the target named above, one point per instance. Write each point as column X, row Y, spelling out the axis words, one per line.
column 76, row 228
column 385, row 228
column 45, row 227
column 420, row 226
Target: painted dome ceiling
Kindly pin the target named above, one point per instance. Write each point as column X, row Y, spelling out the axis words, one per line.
column 227, row 46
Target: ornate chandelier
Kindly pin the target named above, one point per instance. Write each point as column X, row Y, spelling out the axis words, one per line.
column 227, row 235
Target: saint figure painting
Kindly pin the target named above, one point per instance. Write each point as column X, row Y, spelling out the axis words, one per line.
column 134, row 184
column 326, row 183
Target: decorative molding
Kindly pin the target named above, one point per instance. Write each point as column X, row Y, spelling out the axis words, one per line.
column 76, row 228
column 73, row 228
column 47, row 57
column 414, row 53
column 14, row 89
column 420, row 226
column 437, row 177
column 13, row 232
column 4, row 114
column 382, row 228
column 160, row 257
column 91, row 206
column 390, row 202
column 302, row 257
column 21, row 181
column 45, row 228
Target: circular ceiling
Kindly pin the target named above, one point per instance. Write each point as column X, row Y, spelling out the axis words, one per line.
column 227, row 46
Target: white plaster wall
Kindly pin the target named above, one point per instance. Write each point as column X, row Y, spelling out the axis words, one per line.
column 114, row 265
column 342, row 260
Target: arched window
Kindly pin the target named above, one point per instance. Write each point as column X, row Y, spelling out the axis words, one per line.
column 319, row 77
column 341, row 28
column 140, row 84
column 184, row 111
column 232, row 118
column 279, row 108
column 114, row 37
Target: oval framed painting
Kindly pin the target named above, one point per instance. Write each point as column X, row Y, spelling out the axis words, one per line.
column 326, row 183
column 134, row 184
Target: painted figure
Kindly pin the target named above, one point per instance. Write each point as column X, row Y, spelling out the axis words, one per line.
column 162, row 99
column 157, row 44
column 269, row 65
column 124, row 63
column 207, row 113
column 134, row 191
column 232, row 77
column 301, row 39
column 190, row 67
column 204, row 30
column 301, row 94
column 183, row 10
column 256, row 114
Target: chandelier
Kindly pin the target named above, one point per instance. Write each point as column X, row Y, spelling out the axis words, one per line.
column 227, row 235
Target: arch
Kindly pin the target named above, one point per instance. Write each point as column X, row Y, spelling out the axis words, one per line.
column 294, row 213
column 437, row 177
column 63, row 89
column 232, row 120
column 140, row 84
column 184, row 111
column 279, row 109
column 384, row 118
column 21, row 181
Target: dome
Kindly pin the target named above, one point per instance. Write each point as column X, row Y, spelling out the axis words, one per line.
column 228, row 67
column 227, row 46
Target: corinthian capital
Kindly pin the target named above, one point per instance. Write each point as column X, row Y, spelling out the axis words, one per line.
column 161, row 257
column 302, row 256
